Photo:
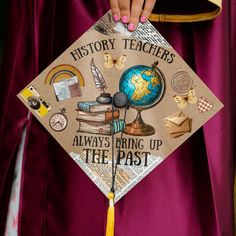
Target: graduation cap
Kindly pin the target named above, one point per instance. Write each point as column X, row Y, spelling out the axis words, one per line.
column 119, row 103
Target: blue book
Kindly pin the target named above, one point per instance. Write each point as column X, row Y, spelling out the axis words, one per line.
column 93, row 106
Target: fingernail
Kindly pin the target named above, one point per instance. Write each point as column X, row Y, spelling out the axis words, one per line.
column 116, row 18
column 131, row 27
column 143, row 19
column 124, row 19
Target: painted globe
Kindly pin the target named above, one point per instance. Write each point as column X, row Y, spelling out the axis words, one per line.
column 143, row 85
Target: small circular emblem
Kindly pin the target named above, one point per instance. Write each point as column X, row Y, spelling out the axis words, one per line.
column 181, row 82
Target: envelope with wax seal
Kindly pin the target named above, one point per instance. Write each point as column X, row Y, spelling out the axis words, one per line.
column 178, row 124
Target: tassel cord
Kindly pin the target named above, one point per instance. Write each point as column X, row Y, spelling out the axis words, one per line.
column 115, row 165
column 110, row 227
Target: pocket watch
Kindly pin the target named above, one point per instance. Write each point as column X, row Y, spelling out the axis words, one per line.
column 58, row 121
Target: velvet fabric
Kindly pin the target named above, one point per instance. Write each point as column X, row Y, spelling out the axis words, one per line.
column 190, row 193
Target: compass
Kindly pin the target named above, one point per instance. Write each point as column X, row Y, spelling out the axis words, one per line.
column 58, row 121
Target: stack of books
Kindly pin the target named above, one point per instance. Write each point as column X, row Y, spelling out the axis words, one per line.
column 97, row 118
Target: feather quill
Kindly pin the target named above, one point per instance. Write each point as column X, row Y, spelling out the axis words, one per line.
column 98, row 78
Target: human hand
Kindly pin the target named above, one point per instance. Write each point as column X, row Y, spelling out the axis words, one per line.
column 130, row 11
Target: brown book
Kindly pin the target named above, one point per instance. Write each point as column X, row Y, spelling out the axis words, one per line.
column 104, row 117
column 101, row 128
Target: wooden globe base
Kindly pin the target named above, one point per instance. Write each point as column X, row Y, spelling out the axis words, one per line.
column 138, row 127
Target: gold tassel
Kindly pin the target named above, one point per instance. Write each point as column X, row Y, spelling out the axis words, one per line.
column 110, row 230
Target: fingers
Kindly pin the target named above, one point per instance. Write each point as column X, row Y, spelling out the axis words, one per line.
column 136, row 9
column 148, row 7
column 124, row 11
column 115, row 9
column 130, row 11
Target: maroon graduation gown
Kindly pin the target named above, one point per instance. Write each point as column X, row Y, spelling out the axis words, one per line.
column 190, row 193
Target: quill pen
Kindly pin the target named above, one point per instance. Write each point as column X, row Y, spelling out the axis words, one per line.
column 98, row 78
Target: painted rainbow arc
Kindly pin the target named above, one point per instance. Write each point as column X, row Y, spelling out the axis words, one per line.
column 62, row 72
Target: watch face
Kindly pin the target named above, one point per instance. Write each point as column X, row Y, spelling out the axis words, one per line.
column 58, row 122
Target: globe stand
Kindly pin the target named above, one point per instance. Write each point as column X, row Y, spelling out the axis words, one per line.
column 138, row 127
